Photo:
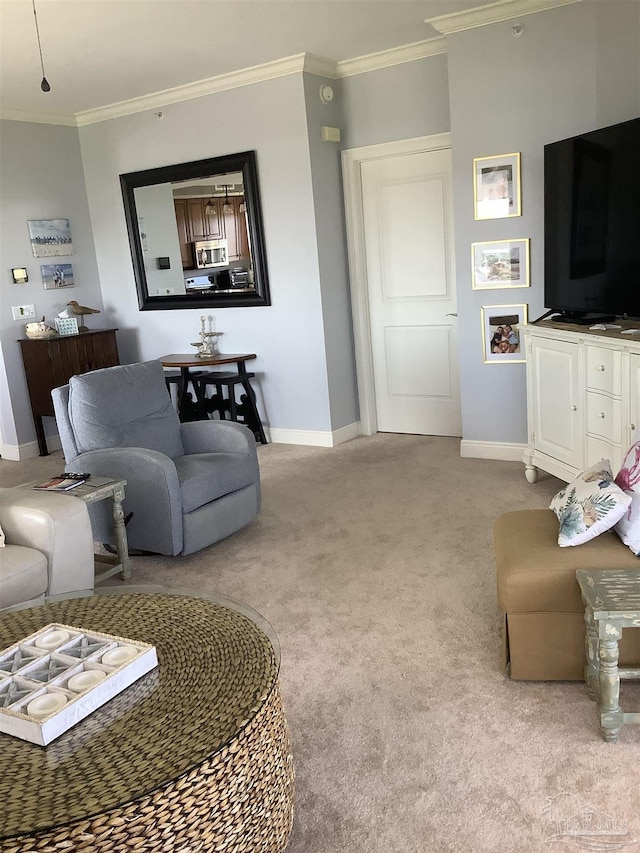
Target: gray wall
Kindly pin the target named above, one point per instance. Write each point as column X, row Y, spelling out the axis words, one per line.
column 575, row 68
column 401, row 102
column 506, row 94
column 268, row 117
column 332, row 258
column 41, row 178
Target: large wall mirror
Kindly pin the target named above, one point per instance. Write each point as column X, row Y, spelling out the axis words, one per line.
column 196, row 236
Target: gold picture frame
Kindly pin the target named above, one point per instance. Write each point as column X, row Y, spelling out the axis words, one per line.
column 501, row 336
column 500, row 263
column 496, row 186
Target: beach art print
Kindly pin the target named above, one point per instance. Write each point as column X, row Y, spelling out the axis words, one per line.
column 50, row 237
column 501, row 334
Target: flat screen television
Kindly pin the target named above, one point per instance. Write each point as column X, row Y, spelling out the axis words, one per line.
column 592, row 225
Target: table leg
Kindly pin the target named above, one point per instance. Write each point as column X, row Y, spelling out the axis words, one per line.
column 591, row 670
column 42, row 439
column 611, row 715
column 121, row 534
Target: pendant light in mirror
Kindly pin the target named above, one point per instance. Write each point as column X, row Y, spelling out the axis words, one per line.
column 227, row 207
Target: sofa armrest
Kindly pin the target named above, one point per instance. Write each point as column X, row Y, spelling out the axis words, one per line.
column 59, row 527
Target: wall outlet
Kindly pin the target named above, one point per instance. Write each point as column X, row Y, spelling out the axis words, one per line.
column 23, row 312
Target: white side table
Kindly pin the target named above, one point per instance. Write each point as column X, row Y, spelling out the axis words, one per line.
column 99, row 489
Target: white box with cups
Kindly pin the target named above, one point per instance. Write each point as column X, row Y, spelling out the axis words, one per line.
column 54, row 678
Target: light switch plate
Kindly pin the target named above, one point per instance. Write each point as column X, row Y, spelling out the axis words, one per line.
column 23, row 312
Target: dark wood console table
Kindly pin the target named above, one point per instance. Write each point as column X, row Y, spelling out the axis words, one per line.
column 245, row 411
column 52, row 362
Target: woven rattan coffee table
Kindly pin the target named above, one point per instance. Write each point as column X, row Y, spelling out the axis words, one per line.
column 193, row 757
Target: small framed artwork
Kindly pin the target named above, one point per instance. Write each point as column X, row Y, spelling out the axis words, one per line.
column 50, row 237
column 496, row 186
column 57, row 275
column 67, row 326
column 501, row 336
column 502, row 263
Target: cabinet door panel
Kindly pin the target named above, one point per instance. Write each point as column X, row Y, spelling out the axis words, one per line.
column 558, row 418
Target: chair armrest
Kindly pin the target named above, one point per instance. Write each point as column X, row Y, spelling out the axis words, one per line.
column 214, row 436
column 56, row 525
column 152, row 493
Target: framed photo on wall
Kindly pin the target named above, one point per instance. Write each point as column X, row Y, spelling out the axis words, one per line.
column 501, row 263
column 501, row 336
column 496, row 186
column 57, row 275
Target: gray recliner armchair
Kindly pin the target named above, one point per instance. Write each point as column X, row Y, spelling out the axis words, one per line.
column 188, row 485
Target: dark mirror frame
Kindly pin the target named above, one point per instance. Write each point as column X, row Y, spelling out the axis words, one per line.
column 244, row 162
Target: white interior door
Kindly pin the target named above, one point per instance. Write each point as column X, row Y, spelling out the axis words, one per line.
column 407, row 226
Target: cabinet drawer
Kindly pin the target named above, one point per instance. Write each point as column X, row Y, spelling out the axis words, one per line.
column 598, row 449
column 604, row 417
column 604, row 370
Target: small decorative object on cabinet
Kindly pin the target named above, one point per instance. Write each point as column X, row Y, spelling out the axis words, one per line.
column 583, row 396
column 51, row 363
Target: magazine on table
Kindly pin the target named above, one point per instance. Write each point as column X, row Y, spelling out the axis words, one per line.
column 63, row 483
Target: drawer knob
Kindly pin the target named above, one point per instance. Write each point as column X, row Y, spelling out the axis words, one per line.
column 574, row 408
column 601, row 368
column 632, row 427
column 602, row 415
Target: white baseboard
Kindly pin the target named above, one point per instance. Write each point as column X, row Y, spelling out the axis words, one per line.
column 19, row 452
column 315, row 438
column 492, row 450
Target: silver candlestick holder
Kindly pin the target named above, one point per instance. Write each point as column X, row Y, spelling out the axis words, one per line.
column 207, row 346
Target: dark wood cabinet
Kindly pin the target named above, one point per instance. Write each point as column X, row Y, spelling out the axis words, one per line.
column 205, row 219
column 51, row 363
column 235, row 229
column 184, row 233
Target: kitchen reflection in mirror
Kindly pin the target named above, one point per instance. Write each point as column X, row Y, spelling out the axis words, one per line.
column 195, row 232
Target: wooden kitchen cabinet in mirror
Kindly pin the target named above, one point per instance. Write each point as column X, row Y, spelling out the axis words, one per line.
column 195, row 233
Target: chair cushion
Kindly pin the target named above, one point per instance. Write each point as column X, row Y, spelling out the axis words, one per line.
column 23, row 574
column 124, row 406
column 205, row 477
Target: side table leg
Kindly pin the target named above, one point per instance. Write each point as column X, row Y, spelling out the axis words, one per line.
column 121, row 534
column 591, row 670
column 611, row 715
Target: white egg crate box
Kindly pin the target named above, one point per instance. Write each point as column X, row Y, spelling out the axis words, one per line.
column 58, row 676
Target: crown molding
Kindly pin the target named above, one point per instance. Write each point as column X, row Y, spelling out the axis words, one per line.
column 302, row 62
column 38, row 118
column 394, row 56
column 502, row 10
column 210, row 86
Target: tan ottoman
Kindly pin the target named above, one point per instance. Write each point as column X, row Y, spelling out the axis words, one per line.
column 543, row 631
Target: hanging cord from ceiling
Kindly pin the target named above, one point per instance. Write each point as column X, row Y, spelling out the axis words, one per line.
column 45, row 83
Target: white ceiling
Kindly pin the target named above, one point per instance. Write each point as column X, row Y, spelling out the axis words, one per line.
column 102, row 52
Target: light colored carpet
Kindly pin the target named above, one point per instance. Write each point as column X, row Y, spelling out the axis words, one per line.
column 373, row 561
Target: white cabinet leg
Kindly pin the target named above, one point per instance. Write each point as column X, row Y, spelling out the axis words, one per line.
column 531, row 473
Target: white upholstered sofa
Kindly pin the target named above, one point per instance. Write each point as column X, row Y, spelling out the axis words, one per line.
column 48, row 546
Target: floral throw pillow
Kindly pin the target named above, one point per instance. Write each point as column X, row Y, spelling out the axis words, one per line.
column 628, row 478
column 589, row 505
